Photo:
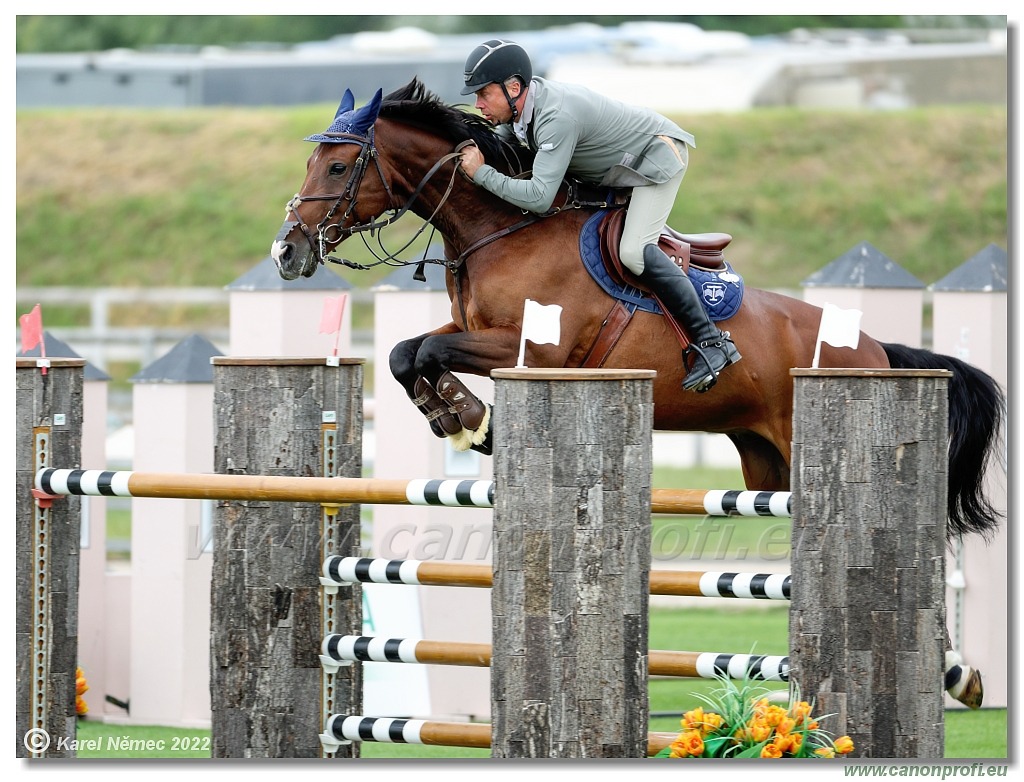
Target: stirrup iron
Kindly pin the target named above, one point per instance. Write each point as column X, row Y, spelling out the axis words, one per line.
column 711, row 377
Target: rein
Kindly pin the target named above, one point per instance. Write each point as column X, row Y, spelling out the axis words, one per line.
column 328, row 232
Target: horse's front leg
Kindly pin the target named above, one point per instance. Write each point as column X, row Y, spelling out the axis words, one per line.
column 425, row 367
column 476, row 353
column 402, row 362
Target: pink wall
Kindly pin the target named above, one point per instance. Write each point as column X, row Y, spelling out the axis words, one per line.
column 890, row 314
column 274, row 323
column 170, row 605
column 405, row 448
column 92, row 619
column 973, row 326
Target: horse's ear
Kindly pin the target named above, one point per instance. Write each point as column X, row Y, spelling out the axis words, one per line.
column 348, row 102
column 363, row 119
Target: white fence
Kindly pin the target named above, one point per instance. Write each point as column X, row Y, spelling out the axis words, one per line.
column 101, row 343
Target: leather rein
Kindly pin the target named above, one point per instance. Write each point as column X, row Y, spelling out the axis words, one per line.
column 328, row 232
column 333, row 233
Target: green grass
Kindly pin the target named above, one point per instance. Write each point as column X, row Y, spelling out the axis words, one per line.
column 976, row 734
column 194, row 197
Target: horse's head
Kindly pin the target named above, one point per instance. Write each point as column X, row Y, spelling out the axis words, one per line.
column 333, row 199
column 350, row 181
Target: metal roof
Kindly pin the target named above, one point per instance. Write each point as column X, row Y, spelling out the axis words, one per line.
column 863, row 266
column 186, row 362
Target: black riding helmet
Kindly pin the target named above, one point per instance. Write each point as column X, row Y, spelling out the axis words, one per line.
column 494, row 61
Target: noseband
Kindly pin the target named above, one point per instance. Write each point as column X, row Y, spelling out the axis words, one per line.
column 326, row 231
column 333, row 233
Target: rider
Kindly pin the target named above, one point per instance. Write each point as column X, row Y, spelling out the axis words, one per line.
column 597, row 140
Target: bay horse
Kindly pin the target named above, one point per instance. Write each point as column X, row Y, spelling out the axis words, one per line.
column 398, row 154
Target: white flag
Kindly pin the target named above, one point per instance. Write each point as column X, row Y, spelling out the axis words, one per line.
column 839, row 328
column 541, row 325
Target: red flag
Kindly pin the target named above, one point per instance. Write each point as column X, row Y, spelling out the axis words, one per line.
column 31, row 329
column 330, row 320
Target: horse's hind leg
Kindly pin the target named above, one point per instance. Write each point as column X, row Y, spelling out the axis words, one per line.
column 963, row 683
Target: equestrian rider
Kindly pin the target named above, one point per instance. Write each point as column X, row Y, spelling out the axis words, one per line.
column 600, row 141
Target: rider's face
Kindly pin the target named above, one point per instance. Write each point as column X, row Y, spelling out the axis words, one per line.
column 491, row 103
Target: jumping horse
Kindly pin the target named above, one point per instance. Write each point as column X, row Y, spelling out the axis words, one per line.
column 399, row 154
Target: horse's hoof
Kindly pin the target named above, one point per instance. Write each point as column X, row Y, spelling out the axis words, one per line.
column 963, row 683
column 486, row 447
column 973, row 692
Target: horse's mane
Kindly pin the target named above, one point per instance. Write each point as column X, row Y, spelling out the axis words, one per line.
column 414, row 104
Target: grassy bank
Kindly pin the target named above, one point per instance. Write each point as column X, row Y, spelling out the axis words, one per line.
column 195, row 197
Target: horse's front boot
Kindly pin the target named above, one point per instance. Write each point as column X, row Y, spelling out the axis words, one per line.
column 473, row 414
column 714, row 348
column 442, row 422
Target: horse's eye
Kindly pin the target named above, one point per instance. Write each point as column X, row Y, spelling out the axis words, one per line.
column 337, row 169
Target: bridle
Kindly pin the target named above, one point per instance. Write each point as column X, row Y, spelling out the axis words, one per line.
column 328, row 232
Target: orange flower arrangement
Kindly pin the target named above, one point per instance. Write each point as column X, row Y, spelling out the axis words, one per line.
column 81, row 687
column 741, row 722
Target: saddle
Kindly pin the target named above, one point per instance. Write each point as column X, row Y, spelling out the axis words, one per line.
column 704, row 251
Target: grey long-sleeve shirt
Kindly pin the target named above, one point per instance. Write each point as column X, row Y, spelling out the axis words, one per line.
column 579, row 132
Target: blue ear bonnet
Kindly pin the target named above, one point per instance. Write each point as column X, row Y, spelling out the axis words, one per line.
column 349, row 119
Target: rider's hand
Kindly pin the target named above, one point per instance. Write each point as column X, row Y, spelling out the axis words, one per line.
column 472, row 159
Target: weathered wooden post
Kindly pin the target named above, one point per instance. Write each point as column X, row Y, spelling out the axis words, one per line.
column 572, row 464
column 287, row 417
column 48, row 410
column 867, row 618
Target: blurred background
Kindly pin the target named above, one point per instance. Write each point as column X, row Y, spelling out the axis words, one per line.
column 155, row 153
column 681, row 63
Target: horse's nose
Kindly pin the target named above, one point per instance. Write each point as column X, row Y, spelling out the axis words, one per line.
column 282, row 253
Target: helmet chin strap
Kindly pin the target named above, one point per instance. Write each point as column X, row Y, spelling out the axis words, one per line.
column 511, row 103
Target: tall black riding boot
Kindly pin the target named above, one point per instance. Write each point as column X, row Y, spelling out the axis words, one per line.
column 714, row 348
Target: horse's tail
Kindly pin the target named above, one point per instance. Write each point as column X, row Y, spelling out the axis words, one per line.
column 977, row 407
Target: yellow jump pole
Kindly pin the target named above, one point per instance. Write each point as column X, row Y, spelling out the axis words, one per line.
column 376, row 491
column 274, row 488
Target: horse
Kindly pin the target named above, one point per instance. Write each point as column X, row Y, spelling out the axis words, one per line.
column 399, row 154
